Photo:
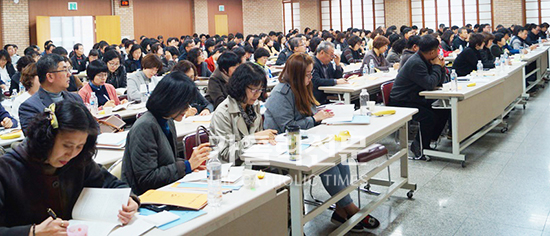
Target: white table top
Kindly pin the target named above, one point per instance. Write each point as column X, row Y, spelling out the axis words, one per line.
column 361, row 82
column 482, row 84
column 533, row 55
column 352, row 67
column 325, row 155
column 233, row 206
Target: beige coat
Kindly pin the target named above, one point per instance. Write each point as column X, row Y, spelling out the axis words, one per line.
column 228, row 124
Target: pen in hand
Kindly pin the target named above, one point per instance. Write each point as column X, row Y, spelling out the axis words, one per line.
column 51, row 213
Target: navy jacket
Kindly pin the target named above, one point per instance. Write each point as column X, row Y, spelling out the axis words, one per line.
column 466, row 61
column 36, row 104
column 319, row 79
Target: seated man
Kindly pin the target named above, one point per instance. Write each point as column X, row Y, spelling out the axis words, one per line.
column 295, row 45
column 324, row 73
column 425, row 70
column 412, row 48
column 53, row 73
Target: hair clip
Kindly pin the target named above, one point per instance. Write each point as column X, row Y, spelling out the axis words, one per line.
column 52, row 117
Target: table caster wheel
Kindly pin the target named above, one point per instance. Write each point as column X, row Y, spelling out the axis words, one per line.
column 503, row 130
column 410, row 194
column 523, row 106
column 463, row 164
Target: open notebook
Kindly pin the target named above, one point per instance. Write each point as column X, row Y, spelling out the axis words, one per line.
column 97, row 209
column 112, row 140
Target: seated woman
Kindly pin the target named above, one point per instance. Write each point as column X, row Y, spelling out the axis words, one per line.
column 196, row 57
column 497, row 49
column 213, row 59
column 217, row 84
column 292, row 103
column 105, row 93
column 116, row 74
column 394, row 55
column 134, row 59
column 151, row 158
column 55, row 161
column 261, row 55
column 379, row 46
column 238, row 117
column 268, row 44
column 199, row 105
column 168, row 61
column 466, row 61
column 487, row 57
column 93, row 55
column 29, row 79
column 20, row 65
column 151, row 64
column 6, row 69
column 353, row 53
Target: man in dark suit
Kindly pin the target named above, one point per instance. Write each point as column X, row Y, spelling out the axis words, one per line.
column 53, row 74
column 324, row 73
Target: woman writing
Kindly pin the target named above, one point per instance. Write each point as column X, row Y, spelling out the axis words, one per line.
column 49, row 169
column 105, row 93
column 150, row 158
column 116, row 74
column 199, row 104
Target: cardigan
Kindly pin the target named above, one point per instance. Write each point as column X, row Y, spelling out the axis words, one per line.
column 351, row 56
column 217, row 88
column 150, row 159
column 26, row 191
column 380, row 61
column 228, row 123
column 134, row 83
column 281, row 110
column 86, row 92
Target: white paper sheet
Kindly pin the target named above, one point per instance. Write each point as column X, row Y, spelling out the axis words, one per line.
column 160, row 218
column 341, row 113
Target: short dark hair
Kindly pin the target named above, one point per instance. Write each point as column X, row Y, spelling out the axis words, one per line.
column 498, row 37
column 193, row 56
column 49, row 46
column 248, row 48
column 184, row 66
column 231, row 45
column 239, row 36
column 46, row 64
column 110, row 55
column 60, row 51
column 261, row 52
column 380, row 41
column 228, row 59
column 93, row 52
column 446, row 37
column 454, row 27
column 95, row 67
column 428, row 43
column 133, row 49
column 239, row 51
column 151, row 61
column 71, row 116
column 48, row 42
column 294, row 42
column 76, row 46
column 8, row 45
column 518, row 29
column 399, row 45
column 245, row 75
column 23, row 62
column 352, row 41
column 476, row 39
column 173, row 50
column 413, row 40
column 172, row 95
column 187, row 42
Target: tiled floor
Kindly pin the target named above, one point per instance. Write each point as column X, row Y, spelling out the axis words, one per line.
column 504, row 189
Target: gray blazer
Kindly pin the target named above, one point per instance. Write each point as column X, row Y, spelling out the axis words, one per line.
column 228, row 124
column 135, row 80
column 150, row 159
column 281, row 110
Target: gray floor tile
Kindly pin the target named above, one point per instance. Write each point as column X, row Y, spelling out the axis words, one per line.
column 473, row 227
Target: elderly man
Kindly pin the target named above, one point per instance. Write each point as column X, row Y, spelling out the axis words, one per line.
column 324, row 73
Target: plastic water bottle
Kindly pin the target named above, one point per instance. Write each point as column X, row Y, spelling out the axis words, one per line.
column 454, row 80
column 365, row 70
column 371, row 67
column 363, row 100
column 461, row 48
column 441, row 54
column 479, row 68
column 540, row 42
column 497, row 62
column 93, row 104
column 21, row 88
column 13, row 95
column 504, row 59
column 214, row 175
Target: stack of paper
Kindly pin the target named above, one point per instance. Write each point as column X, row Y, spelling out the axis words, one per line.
column 193, row 201
column 357, row 120
column 112, row 140
column 341, row 113
column 183, row 216
column 198, row 118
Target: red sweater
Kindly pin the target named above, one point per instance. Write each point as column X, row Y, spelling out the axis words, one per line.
column 86, row 91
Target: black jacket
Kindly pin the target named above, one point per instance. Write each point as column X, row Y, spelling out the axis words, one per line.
column 15, row 80
column 496, row 50
column 132, row 65
column 118, row 78
column 283, row 56
column 446, row 46
column 531, row 39
column 487, row 58
column 26, row 192
column 79, row 63
column 319, row 79
column 217, row 88
column 457, row 42
column 415, row 76
column 466, row 61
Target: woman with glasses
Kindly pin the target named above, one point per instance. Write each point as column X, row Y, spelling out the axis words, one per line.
column 151, row 158
column 292, row 103
column 237, row 121
column 150, row 65
column 196, row 57
column 116, row 74
column 106, row 95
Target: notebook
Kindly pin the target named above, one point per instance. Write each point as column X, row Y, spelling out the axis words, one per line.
column 341, row 113
column 112, row 140
column 193, row 201
column 97, row 208
column 357, row 120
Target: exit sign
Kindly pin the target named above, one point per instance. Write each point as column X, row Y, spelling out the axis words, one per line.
column 72, row 6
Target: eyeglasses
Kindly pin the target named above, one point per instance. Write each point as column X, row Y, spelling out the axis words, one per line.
column 256, row 91
column 310, row 75
column 67, row 70
column 113, row 64
column 102, row 75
